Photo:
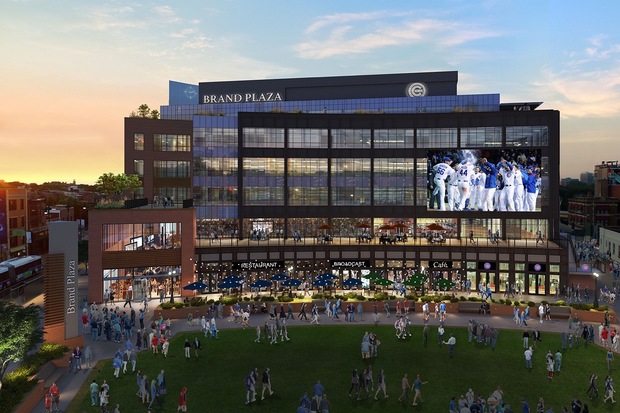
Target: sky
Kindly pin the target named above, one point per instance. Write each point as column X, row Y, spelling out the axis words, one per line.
column 71, row 70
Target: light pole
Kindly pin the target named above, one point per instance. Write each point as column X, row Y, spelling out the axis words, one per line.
column 172, row 274
column 596, row 275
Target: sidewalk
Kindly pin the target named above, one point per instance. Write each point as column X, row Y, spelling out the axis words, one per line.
column 70, row 383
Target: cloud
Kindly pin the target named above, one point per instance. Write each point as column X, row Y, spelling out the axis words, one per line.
column 587, row 84
column 339, row 35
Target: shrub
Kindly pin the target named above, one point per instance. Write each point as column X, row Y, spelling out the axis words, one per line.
column 166, row 306
column 454, row 300
column 531, row 304
column 178, row 304
column 560, row 302
column 285, row 299
column 508, row 301
column 360, row 297
column 246, row 299
column 267, row 298
column 196, row 302
column 381, row 296
column 229, row 300
column 317, row 296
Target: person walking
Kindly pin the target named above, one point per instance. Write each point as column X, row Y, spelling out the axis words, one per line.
column 188, row 347
column 404, row 384
column 417, row 388
column 325, row 405
column 266, row 383
column 609, row 389
column 302, row 312
column 593, row 388
column 381, row 385
column 528, row 358
column 182, row 405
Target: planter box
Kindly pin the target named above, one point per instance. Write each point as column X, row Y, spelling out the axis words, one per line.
column 592, row 316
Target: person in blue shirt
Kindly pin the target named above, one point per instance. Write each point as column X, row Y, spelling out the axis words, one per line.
column 526, row 407
column 531, row 191
column 318, row 391
column 490, row 184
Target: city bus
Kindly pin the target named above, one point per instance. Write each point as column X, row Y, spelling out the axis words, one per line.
column 17, row 271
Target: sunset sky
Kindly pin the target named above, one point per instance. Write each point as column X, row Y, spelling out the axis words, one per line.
column 72, row 70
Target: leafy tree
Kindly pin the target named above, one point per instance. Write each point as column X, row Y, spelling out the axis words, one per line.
column 144, row 111
column 115, row 185
column 574, row 189
column 21, row 331
column 83, row 252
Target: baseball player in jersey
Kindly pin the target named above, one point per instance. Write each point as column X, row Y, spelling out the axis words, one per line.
column 442, row 171
column 477, row 192
column 490, row 184
column 530, row 189
column 518, row 196
column 506, row 200
column 453, row 189
column 464, row 174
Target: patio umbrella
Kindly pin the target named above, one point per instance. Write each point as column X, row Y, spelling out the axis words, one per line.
column 435, row 227
column 413, row 282
column 384, row 282
column 401, row 225
column 419, row 276
column 326, row 276
column 260, row 284
column 363, row 225
column 233, row 278
column 280, row 277
column 352, row 282
column 291, row 282
column 373, row 276
column 387, row 227
column 322, row 282
column 228, row 285
column 325, row 226
column 196, row 285
column 443, row 283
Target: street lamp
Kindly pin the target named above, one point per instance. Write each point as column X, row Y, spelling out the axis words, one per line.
column 172, row 274
column 596, row 275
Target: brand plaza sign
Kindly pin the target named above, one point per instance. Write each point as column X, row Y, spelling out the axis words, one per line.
column 243, row 97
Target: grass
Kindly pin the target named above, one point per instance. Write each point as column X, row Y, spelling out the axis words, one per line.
column 329, row 353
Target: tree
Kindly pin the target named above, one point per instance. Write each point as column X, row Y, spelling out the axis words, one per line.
column 145, row 112
column 21, row 331
column 115, row 185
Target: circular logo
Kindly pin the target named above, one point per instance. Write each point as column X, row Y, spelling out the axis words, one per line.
column 585, row 267
column 537, row 267
column 487, row 265
column 416, row 90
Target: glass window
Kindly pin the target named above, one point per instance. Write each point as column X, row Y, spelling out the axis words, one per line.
column 138, row 167
column 436, row 138
column 481, row 137
column 263, row 181
column 215, row 166
column 393, row 138
column 393, row 178
column 308, row 138
column 350, row 181
column 263, row 137
column 215, row 137
column 527, row 136
column 171, row 169
column 171, row 143
column 351, row 138
column 138, row 141
column 307, row 181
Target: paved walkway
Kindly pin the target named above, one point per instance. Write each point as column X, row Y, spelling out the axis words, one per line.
column 70, row 383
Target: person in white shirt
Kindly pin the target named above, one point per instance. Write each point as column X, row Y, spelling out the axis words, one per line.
column 453, row 189
column 464, row 174
column 506, row 200
column 442, row 171
column 519, row 192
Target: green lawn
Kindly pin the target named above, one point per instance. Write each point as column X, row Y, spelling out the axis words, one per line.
column 215, row 379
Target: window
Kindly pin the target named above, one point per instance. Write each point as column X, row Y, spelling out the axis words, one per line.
column 350, row 181
column 393, row 179
column 351, row 138
column 481, row 137
column 263, row 137
column 527, row 136
column 307, row 181
column 138, row 141
column 263, row 181
column 172, row 143
column 307, row 138
column 171, row 169
column 138, row 167
column 393, row 138
column 436, row 138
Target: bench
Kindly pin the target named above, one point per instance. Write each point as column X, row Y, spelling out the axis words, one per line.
column 559, row 311
column 472, row 307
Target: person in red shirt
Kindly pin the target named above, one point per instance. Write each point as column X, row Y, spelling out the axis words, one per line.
column 55, row 396
column 48, row 403
column 604, row 336
column 155, row 344
column 183, row 400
